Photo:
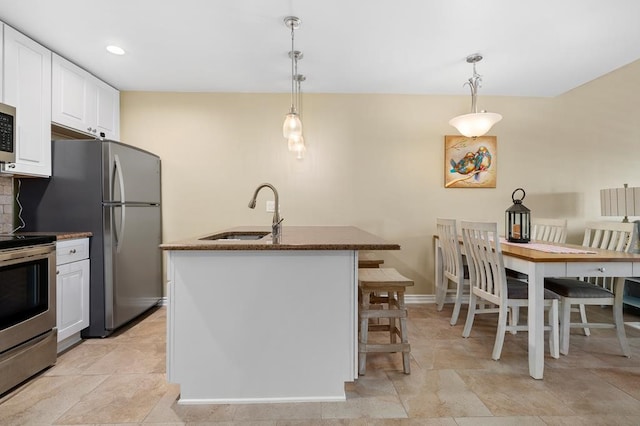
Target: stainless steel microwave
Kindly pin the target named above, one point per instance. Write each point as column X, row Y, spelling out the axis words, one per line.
column 7, row 133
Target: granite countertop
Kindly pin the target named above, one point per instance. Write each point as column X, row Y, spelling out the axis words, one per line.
column 292, row 238
column 69, row 235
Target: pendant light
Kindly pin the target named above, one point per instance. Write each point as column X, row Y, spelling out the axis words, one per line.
column 295, row 143
column 475, row 123
column 292, row 126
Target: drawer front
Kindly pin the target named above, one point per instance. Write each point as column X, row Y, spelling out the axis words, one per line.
column 595, row 269
column 72, row 250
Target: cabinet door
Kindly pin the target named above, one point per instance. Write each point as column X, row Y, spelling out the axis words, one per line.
column 27, row 86
column 83, row 102
column 107, row 105
column 70, row 95
column 1, row 56
column 72, row 298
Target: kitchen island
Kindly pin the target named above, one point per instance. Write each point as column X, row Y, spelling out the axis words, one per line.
column 253, row 321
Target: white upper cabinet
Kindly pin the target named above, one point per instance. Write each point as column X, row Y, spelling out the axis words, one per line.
column 83, row 102
column 27, row 86
column 1, row 56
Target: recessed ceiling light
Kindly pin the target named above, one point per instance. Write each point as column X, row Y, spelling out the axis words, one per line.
column 116, row 50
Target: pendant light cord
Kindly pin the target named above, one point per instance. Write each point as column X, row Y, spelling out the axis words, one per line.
column 292, row 54
column 296, row 81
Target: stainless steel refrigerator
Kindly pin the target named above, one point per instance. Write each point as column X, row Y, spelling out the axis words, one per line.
column 112, row 190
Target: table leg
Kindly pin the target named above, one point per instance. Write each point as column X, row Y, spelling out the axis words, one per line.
column 535, row 318
column 618, row 291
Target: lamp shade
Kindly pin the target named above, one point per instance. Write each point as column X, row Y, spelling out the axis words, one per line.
column 620, row 202
column 475, row 123
column 292, row 126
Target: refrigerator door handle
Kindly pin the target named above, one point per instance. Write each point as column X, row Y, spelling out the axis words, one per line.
column 118, row 233
column 117, row 172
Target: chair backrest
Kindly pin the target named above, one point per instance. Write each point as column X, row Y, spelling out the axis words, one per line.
column 450, row 245
column 487, row 275
column 616, row 236
column 550, row 230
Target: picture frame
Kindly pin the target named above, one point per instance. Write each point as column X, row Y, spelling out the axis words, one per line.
column 470, row 162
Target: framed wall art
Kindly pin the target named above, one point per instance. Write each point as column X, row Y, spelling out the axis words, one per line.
column 470, row 162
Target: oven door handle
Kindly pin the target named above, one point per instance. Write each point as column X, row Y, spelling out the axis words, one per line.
column 22, row 254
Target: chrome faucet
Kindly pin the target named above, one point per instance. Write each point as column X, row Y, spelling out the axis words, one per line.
column 276, row 224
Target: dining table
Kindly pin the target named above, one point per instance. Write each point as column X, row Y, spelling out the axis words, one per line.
column 539, row 260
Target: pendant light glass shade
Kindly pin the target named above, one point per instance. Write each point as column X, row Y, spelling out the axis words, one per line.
column 475, row 124
column 296, row 145
column 292, row 126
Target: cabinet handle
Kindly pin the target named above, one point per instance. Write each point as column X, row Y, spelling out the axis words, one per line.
column 89, row 129
column 601, row 269
column 11, row 166
column 57, row 272
column 72, row 251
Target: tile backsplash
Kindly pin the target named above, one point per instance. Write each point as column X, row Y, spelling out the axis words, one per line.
column 6, row 205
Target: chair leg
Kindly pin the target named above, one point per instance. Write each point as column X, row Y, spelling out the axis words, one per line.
column 404, row 335
column 441, row 292
column 502, row 329
column 583, row 319
column 458, row 302
column 364, row 335
column 471, row 313
column 392, row 321
column 565, row 326
column 554, row 348
column 515, row 318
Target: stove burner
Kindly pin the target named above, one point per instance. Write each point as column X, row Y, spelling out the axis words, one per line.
column 13, row 241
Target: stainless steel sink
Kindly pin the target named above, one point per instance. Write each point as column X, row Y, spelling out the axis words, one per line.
column 237, row 236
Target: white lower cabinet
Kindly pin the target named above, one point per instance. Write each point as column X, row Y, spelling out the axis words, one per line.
column 72, row 290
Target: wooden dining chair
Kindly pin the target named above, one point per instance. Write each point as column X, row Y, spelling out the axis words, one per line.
column 583, row 291
column 545, row 230
column 489, row 283
column 453, row 269
column 549, row 230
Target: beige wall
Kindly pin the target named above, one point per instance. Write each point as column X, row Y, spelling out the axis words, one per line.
column 376, row 161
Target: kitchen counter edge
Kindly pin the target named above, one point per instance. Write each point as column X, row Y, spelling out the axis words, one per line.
column 60, row 236
column 293, row 238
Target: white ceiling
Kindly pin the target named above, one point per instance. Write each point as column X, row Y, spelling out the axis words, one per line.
column 533, row 48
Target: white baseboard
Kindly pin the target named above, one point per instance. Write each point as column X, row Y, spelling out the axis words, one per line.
column 415, row 299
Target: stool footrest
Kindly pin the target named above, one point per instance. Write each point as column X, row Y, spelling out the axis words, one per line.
column 384, row 327
column 387, row 347
column 384, row 313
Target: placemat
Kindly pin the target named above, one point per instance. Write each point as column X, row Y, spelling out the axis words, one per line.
column 548, row 248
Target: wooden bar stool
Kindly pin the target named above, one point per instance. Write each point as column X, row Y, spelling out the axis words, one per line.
column 368, row 259
column 372, row 284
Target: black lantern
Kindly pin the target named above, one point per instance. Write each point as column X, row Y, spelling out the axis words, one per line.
column 518, row 220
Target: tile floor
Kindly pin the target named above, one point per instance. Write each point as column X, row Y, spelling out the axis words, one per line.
column 120, row 380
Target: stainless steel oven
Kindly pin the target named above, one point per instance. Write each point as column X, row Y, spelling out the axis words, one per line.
column 27, row 307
